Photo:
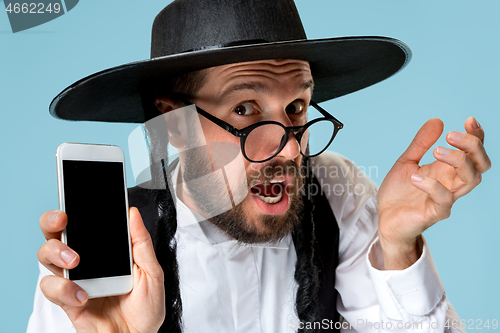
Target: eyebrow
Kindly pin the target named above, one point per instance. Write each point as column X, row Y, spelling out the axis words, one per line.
column 259, row 87
column 307, row 85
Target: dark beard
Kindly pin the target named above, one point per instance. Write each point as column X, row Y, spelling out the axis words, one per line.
column 235, row 222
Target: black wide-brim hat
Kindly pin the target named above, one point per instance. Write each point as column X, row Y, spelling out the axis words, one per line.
column 190, row 35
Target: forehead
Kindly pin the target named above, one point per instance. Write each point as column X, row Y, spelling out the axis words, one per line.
column 265, row 75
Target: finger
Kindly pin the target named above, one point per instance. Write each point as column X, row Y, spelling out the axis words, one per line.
column 442, row 197
column 469, row 176
column 142, row 245
column 53, row 223
column 428, row 134
column 55, row 255
column 473, row 127
column 473, row 147
column 63, row 292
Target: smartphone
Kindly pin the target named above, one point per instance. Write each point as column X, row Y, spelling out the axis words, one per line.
column 93, row 193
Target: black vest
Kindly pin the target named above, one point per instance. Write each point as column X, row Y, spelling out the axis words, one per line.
column 327, row 238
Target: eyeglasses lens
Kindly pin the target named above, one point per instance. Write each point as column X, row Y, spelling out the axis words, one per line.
column 265, row 141
column 320, row 134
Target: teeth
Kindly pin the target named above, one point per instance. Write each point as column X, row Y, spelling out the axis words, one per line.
column 276, row 181
column 270, row 200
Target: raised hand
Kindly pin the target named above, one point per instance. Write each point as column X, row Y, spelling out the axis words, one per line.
column 141, row 310
column 412, row 198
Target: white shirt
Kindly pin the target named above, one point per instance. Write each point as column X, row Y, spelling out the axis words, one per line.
column 228, row 287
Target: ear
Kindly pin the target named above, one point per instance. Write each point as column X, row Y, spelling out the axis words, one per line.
column 176, row 126
column 166, row 104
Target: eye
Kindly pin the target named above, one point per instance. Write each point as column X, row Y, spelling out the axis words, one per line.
column 246, row 109
column 295, row 107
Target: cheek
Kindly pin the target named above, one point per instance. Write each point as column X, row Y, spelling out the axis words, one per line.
column 224, row 147
column 298, row 161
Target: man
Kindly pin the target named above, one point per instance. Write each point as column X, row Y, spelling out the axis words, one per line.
column 221, row 284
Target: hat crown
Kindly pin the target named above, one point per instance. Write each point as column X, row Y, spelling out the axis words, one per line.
column 186, row 25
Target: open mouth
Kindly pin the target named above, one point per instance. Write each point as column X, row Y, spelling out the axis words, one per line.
column 272, row 196
column 269, row 192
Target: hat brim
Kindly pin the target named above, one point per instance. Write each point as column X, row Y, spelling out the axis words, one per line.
column 339, row 66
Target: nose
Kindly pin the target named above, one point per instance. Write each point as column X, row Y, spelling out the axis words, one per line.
column 292, row 148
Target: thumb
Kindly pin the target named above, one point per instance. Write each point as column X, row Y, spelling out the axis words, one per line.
column 142, row 246
column 428, row 134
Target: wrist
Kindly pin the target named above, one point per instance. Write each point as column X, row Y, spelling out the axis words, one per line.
column 398, row 254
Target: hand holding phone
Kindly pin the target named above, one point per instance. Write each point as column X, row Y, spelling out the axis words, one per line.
column 142, row 309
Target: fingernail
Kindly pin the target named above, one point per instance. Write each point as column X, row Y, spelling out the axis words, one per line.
column 475, row 124
column 81, row 296
column 417, row 178
column 68, row 256
column 52, row 216
column 443, row 151
column 455, row 136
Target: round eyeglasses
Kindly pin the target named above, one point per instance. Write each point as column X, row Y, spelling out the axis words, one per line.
column 262, row 141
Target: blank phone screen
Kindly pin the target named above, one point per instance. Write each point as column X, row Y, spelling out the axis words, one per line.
column 97, row 218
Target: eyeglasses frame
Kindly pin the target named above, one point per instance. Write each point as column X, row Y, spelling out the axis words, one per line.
column 297, row 130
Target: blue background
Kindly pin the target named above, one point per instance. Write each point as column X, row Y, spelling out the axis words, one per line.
column 453, row 75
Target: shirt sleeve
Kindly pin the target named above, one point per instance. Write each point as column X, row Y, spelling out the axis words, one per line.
column 415, row 294
column 47, row 317
column 370, row 298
